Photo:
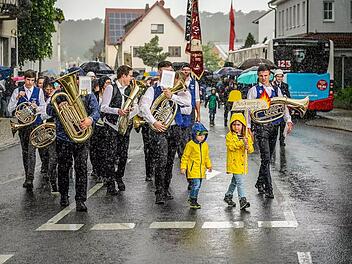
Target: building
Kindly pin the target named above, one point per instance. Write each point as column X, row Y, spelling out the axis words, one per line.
column 8, row 33
column 266, row 26
column 319, row 19
column 128, row 29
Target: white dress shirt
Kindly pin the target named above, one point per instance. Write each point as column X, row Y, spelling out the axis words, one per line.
column 183, row 99
column 13, row 101
column 106, row 100
column 252, row 94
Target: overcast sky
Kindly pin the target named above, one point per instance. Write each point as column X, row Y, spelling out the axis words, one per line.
column 86, row 9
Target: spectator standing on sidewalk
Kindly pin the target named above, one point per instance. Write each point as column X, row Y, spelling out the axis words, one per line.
column 214, row 102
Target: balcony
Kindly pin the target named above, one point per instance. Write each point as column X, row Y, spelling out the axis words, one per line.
column 8, row 9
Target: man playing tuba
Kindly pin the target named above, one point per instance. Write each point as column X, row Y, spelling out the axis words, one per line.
column 34, row 98
column 68, row 147
column 164, row 139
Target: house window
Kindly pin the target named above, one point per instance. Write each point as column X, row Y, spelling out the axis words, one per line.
column 351, row 10
column 157, row 28
column 328, row 11
column 135, row 50
column 294, row 16
column 291, row 17
column 175, row 51
column 298, row 14
column 303, row 13
column 286, row 19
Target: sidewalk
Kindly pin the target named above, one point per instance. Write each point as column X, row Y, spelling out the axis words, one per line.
column 6, row 138
column 337, row 119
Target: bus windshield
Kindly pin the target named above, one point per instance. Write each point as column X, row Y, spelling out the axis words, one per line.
column 309, row 56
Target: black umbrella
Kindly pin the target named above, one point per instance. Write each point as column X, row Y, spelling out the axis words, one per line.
column 256, row 62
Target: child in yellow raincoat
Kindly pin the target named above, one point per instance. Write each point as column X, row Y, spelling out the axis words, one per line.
column 237, row 143
column 195, row 161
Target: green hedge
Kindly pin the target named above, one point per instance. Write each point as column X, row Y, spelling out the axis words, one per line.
column 343, row 98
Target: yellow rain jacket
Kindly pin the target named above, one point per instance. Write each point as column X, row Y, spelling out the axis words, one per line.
column 236, row 162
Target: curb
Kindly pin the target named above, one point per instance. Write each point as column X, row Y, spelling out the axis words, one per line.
column 316, row 124
column 9, row 145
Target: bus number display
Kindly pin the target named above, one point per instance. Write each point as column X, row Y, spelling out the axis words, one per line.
column 286, row 64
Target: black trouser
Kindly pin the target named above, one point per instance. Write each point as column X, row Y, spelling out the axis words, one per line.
column 282, row 129
column 148, row 158
column 159, row 151
column 96, row 150
column 52, row 167
column 66, row 153
column 173, row 137
column 44, row 158
column 28, row 151
column 227, row 110
column 116, row 152
column 266, row 136
column 212, row 113
column 185, row 136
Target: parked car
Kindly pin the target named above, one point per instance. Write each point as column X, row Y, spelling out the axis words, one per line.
column 98, row 67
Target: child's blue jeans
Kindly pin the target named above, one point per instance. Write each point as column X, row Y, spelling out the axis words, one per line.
column 196, row 183
column 237, row 181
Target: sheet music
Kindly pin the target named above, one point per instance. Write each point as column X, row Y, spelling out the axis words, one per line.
column 167, row 79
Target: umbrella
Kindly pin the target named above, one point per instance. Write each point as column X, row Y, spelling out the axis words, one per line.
column 224, row 70
column 5, row 72
column 250, row 77
column 151, row 73
column 256, row 62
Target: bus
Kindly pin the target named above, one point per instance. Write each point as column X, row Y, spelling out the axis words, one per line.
column 308, row 65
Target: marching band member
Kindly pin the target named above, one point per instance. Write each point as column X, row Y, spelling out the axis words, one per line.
column 164, row 141
column 266, row 134
column 67, row 151
column 28, row 93
column 116, row 145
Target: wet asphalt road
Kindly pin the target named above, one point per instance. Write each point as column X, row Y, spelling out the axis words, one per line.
column 309, row 221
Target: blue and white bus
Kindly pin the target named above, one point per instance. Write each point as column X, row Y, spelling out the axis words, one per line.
column 308, row 65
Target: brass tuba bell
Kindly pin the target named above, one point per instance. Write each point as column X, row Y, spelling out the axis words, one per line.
column 73, row 111
column 43, row 135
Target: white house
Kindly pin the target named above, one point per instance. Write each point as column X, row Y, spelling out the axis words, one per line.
column 266, row 26
column 320, row 19
column 141, row 25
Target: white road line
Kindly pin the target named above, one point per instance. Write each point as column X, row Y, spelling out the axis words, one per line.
column 168, row 225
column 48, row 226
column 14, row 179
column 304, row 258
column 238, row 224
column 212, row 174
column 60, row 227
column 223, row 136
column 4, row 258
column 113, row 226
column 277, row 224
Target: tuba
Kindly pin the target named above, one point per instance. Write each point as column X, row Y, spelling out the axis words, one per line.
column 277, row 109
column 137, row 89
column 26, row 115
column 73, row 111
column 43, row 135
column 164, row 109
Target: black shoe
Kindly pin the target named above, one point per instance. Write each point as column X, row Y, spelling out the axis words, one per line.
column 148, row 179
column 64, row 200
column 168, row 196
column 260, row 188
column 229, row 201
column 159, row 199
column 120, row 185
column 81, row 207
column 28, row 184
column 111, row 190
column 244, row 204
column 194, row 204
column 269, row 195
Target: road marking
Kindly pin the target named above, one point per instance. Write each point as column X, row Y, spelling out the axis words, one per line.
column 304, row 258
column 238, row 224
column 4, row 258
column 277, row 224
column 113, row 226
column 223, row 136
column 212, row 174
column 52, row 222
column 14, row 179
column 59, row 227
column 167, row 225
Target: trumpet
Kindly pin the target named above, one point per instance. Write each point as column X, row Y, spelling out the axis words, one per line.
column 43, row 135
column 26, row 115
